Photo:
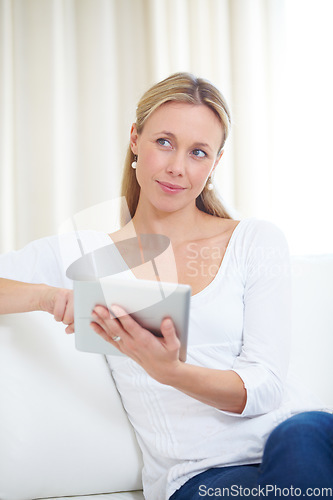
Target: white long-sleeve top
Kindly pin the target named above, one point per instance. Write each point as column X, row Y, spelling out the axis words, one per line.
column 240, row 321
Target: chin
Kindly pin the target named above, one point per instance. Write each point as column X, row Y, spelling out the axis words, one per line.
column 170, row 207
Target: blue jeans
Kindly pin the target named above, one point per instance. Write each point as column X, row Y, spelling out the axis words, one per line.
column 297, row 461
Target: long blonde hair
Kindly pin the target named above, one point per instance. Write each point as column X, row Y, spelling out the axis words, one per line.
column 183, row 87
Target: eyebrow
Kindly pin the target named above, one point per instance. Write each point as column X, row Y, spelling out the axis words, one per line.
column 170, row 134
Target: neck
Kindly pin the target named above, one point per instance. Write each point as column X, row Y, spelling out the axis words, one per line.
column 178, row 226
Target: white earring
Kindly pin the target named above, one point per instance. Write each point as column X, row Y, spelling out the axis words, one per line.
column 134, row 163
column 210, row 185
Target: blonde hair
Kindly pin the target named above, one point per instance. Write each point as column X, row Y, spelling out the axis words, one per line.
column 181, row 87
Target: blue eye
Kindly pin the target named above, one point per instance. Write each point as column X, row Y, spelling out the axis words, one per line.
column 199, row 153
column 163, row 142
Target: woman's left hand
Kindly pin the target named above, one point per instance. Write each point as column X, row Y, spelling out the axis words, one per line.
column 159, row 356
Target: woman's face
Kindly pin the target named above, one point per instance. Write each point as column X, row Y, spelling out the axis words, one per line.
column 177, row 151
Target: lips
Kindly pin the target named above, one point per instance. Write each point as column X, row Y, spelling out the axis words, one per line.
column 171, row 188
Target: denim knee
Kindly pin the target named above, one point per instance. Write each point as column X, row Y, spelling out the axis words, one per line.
column 311, row 425
column 300, row 451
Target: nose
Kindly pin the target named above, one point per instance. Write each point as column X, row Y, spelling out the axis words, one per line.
column 177, row 165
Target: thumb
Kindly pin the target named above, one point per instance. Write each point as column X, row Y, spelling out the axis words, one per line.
column 169, row 333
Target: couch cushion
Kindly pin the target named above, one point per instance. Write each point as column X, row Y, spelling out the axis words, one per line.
column 63, row 430
column 312, row 341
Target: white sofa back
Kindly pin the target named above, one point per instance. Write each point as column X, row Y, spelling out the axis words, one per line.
column 63, row 430
column 312, row 339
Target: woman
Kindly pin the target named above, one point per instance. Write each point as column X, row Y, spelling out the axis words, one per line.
column 202, row 425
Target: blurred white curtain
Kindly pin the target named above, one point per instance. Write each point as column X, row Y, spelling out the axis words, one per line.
column 71, row 72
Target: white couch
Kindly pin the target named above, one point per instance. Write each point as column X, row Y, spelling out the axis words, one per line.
column 63, row 430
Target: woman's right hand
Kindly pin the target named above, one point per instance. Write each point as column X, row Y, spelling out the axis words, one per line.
column 18, row 296
column 59, row 303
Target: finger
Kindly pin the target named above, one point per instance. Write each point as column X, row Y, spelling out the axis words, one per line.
column 70, row 328
column 68, row 318
column 104, row 318
column 128, row 323
column 100, row 331
column 110, row 325
column 168, row 331
column 100, row 315
column 102, row 311
column 97, row 318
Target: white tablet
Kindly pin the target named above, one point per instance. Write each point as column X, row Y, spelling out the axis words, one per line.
column 147, row 301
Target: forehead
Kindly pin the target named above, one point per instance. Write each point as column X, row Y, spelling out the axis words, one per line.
column 197, row 121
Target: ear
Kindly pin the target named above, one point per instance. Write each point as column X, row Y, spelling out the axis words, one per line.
column 134, row 139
